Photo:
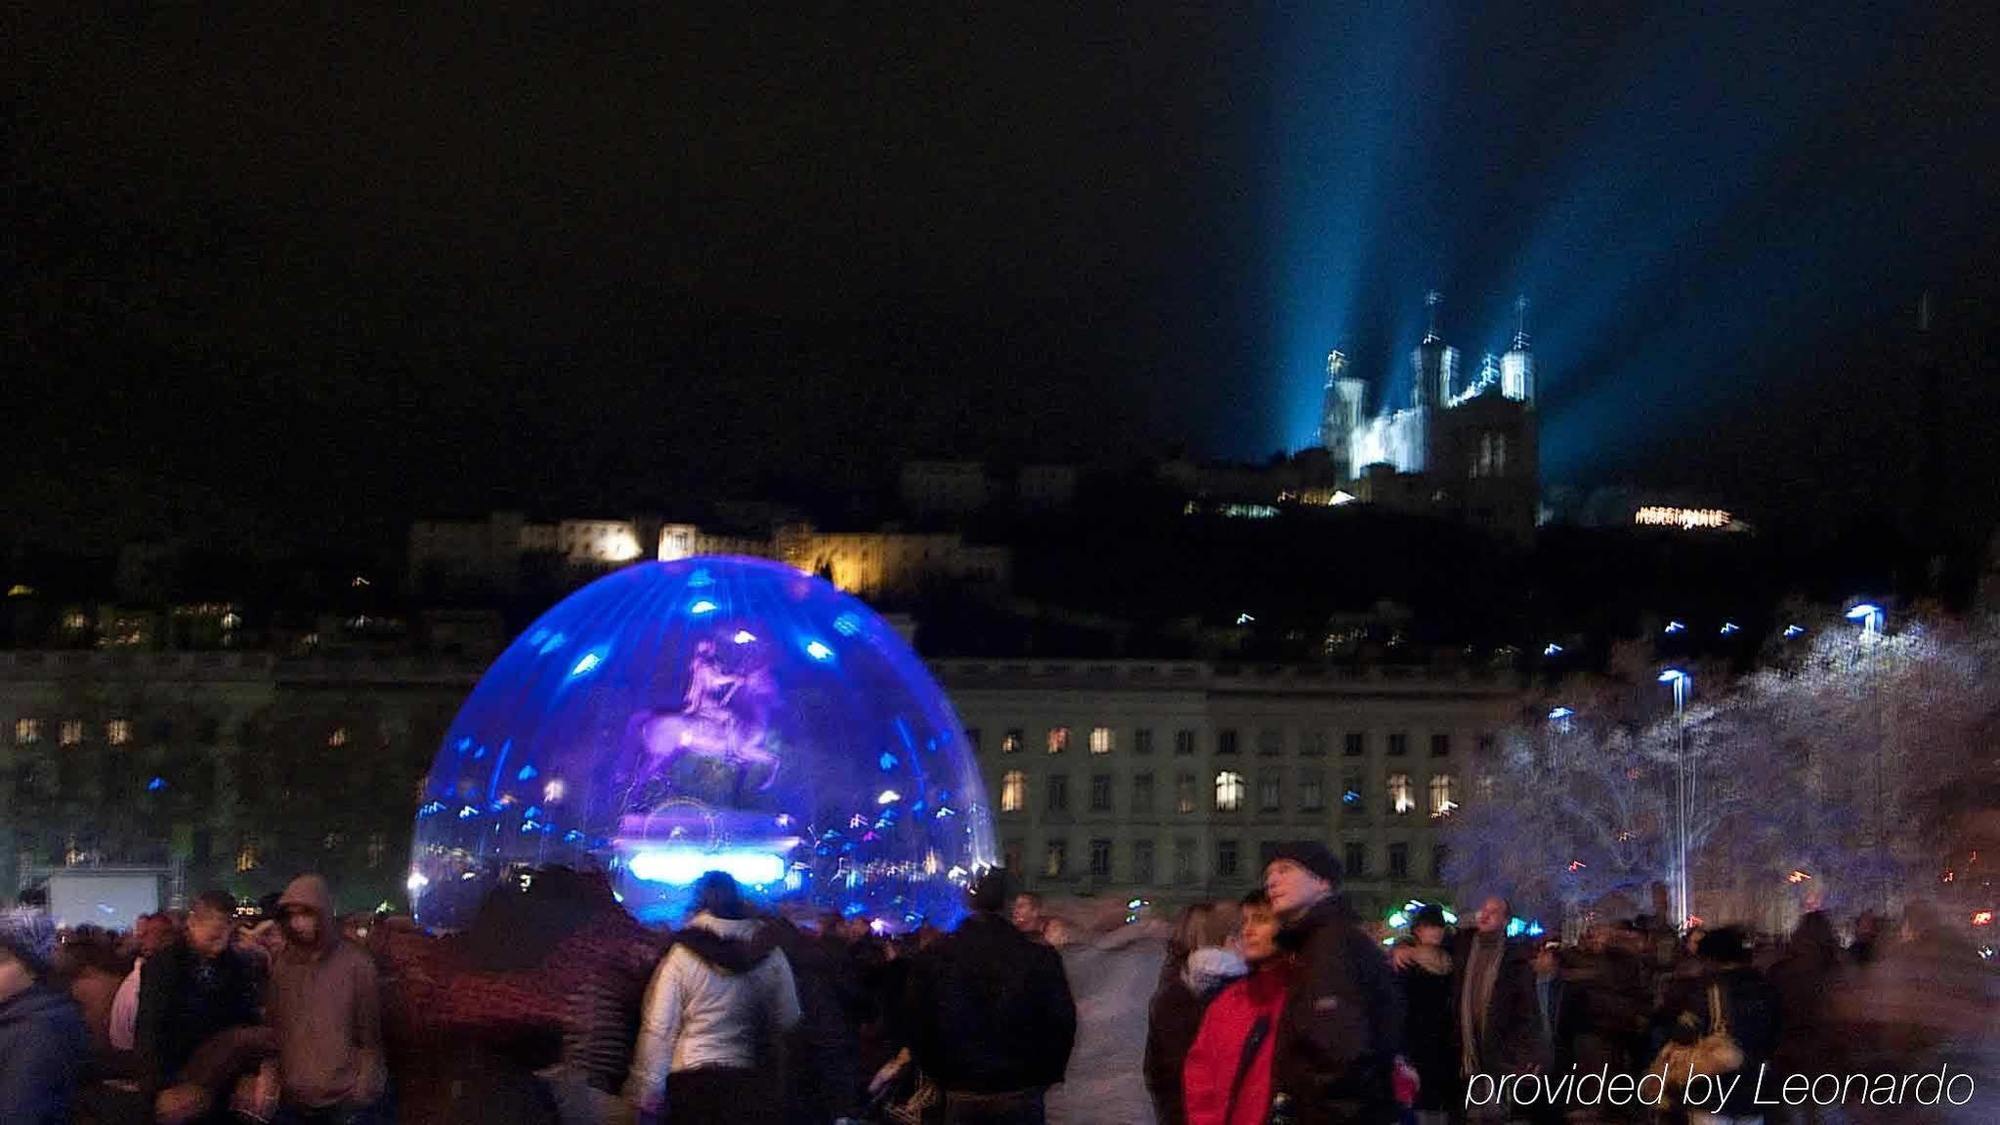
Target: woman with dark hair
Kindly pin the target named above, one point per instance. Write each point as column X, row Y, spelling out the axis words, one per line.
column 1423, row 975
column 1227, row 1076
column 722, row 996
column 1198, row 965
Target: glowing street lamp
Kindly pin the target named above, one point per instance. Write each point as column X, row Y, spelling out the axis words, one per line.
column 1870, row 616
column 1682, row 683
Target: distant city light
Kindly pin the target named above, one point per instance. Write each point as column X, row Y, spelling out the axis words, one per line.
column 1686, row 519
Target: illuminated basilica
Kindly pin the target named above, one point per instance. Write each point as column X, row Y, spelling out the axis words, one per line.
column 1465, row 445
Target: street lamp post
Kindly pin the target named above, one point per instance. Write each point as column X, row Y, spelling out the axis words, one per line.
column 1870, row 617
column 1684, row 794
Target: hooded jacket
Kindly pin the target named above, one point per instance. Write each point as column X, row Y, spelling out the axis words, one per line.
column 43, row 1047
column 1223, row 1050
column 1174, row 1019
column 325, row 1006
column 721, row 993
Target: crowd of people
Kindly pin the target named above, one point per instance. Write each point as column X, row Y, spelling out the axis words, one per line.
column 555, row 1007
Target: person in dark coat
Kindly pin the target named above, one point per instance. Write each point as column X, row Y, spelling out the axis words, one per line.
column 990, row 1016
column 43, row 1043
column 1342, row 1024
column 1496, row 1018
column 189, row 995
column 1423, row 974
column 1749, row 1004
column 1806, row 980
column 1197, row 967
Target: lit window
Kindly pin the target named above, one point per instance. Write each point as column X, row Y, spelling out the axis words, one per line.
column 1228, row 791
column 1058, row 739
column 1400, row 798
column 1011, row 742
column 338, row 737
column 27, row 732
column 1013, row 791
column 1184, row 793
column 71, row 733
column 246, row 857
column 1055, row 859
column 1100, row 740
column 118, row 732
column 1442, row 800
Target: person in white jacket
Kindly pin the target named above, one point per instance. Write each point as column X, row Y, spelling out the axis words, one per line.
column 718, row 1005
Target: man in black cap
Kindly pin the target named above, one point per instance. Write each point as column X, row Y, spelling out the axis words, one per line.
column 1342, row 1024
column 990, row 1015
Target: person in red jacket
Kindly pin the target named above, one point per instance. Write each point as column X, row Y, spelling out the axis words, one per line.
column 1227, row 1078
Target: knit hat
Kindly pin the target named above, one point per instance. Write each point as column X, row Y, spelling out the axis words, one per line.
column 30, row 936
column 1309, row 854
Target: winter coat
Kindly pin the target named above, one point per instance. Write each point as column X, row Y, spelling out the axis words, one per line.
column 325, row 1006
column 1428, row 1038
column 1247, row 1009
column 1342, row 1024
column 43, row 1049
column 1512, row 1040
column 989, row 1011
column 722, row 995
column 1806, row 980
column 1174, row 1019
column 184, row 1002
column 1749, row 1004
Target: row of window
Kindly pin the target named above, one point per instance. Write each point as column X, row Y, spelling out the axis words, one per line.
column 1312, row 743
column 1231, row 790
column 117, row 732
column 1141, row 868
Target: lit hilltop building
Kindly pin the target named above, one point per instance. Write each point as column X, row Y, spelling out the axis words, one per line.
column 1467, row 446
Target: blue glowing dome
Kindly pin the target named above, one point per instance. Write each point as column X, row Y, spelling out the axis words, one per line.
column 708, row 714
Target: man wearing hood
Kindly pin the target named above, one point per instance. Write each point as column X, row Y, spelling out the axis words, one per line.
column 43, row 1044
column 325, row 1009
column 721, row 999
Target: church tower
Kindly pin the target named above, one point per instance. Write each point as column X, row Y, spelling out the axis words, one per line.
column 1341, row 405
column 1434, row 364
column 1517, row 367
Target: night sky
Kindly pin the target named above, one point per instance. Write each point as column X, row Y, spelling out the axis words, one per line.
column 588, row 260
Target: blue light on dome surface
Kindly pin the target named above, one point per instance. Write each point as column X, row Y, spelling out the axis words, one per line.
column 707, row 714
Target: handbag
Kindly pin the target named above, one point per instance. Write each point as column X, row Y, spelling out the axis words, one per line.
column 1712, row 1054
